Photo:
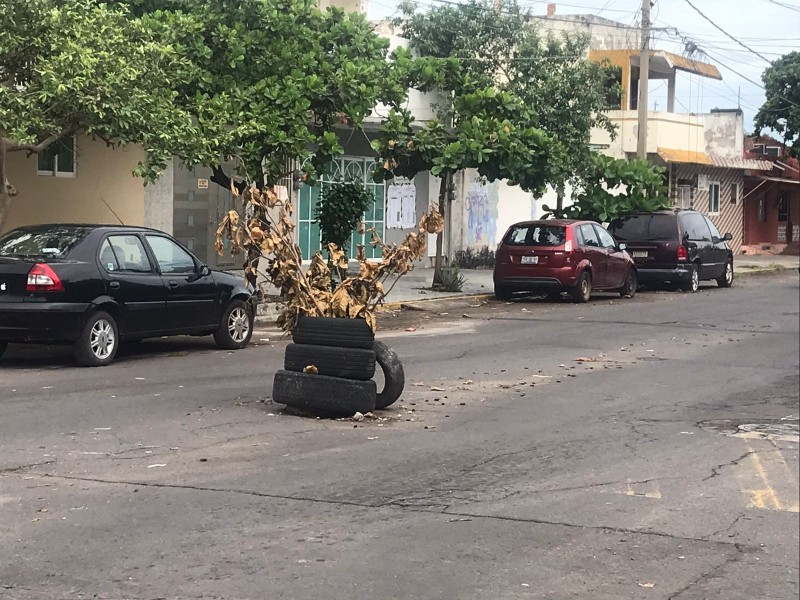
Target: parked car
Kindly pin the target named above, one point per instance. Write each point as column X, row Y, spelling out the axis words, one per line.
column 555, row 256
column 676, row 246
column 94, row 286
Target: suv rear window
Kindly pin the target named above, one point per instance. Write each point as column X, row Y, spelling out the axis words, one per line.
column 535, row 235
column 53, row 242
column 644, row 227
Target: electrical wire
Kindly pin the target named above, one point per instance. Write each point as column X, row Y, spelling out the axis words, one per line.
column 742, row 44
column 789, row 6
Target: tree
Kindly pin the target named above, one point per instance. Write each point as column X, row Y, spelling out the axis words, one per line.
column 521, row 106
column 565, row 92
column 277, row 79
column 781, row 109
column 70, row 66
column 615, row 186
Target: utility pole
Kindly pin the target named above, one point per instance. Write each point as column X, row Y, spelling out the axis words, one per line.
column 644, row 77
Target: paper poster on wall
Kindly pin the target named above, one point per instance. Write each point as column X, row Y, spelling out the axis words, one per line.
column 401, row 206
column 394, row 207
column 408, row 208
column 702, row 182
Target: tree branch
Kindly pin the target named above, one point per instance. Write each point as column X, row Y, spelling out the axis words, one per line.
column 15, row 146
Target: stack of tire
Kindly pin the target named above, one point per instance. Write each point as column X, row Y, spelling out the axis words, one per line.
column 329, row 368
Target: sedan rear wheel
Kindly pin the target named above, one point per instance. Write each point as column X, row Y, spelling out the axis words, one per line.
column 631, row 283
column 236, row 328
column 583, row 288
column 98, row 342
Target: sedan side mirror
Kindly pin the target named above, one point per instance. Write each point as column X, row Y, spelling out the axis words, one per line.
column 622, row 247
column 727, row 237
column 205, row 271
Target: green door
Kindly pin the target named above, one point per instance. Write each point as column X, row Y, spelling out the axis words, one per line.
column 350, row 169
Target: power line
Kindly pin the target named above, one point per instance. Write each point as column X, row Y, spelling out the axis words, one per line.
column 789, row 6
column 743, row 45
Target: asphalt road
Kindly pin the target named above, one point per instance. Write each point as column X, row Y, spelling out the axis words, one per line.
column 664, row 467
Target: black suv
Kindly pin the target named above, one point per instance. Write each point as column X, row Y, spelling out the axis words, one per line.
column 676, row 246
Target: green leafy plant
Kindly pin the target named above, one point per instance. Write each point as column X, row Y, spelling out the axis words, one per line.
column 781, row 109
column 613, row 187
column 340, row 208
column 450, row 280
column 475, row 259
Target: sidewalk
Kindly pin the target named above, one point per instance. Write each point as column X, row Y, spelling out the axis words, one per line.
column 415, row 286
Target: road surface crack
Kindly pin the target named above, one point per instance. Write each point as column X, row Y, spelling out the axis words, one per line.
column 715, row 470
column 23, row 467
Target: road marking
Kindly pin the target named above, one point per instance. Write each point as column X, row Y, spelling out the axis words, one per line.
column 629, row 491
column 766, row 496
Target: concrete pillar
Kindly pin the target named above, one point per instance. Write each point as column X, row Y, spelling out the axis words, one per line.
column 671, row 93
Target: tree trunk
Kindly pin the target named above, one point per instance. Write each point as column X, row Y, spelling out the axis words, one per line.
column 7, row 191
column 444, row 188
column 560, row 198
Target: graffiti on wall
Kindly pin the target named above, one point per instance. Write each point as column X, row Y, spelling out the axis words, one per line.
column 481, row 215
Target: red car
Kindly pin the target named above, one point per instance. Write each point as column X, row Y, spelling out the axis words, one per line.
column 557, row 256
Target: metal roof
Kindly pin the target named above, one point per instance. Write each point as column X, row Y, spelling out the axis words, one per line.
column 742, row 163
column 673, row 155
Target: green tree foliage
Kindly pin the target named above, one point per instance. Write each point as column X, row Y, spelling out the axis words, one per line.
column 564, row 93
column 276, row 79
column 781, row 109
column 339, row 210
column 614, row 187
column 77, row 65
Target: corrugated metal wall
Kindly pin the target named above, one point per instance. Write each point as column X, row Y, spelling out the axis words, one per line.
column 731, row 215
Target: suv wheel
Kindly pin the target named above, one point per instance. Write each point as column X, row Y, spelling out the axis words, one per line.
column 583, row 288
column 726, row 280
column 693, row 284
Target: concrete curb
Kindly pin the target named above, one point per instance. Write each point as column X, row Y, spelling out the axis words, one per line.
column 411, row 304
column 745, row 272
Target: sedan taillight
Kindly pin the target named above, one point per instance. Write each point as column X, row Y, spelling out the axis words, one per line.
column 683, row 254
column 41, row 278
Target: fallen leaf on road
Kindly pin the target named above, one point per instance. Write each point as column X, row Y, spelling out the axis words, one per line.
column 585, row 359
column 647, row 585
column 311, row 369
column 437, row 389
column 358, row 417
column 411, row 328
column 466, row 316
column 373, row 438
column 468, row 382
column 419, row 384
column 156, row 465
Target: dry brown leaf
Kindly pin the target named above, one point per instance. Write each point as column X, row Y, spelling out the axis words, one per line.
column 311, row 369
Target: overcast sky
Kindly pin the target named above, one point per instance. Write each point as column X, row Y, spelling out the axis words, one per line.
column 769, row 27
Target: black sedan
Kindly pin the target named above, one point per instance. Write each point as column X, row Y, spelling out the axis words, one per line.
column 94, row 286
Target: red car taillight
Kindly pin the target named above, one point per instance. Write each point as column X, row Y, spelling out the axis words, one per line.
column 568, row 246
column 41, row 278
column 682, row 253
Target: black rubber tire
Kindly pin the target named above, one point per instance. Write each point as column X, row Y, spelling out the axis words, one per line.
column 3, row 348
column 723, row 281
column 332, row 331
column 393, row 374
column 583, row 288
column 348, row 363
column 693, row 284
column 224, row 337
column 631, row 284
column 101, row 330
column 553, row 296
column 322, row 395
column 502, row 293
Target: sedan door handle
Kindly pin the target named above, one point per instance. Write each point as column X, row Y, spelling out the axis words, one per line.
column 172, row 283
column 114, row 285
